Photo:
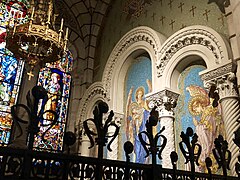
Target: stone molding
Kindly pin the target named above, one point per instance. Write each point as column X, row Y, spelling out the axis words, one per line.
column 94, row 93
column 218, row 72
column 164, row 100
column 142, row 34
column 193, row 35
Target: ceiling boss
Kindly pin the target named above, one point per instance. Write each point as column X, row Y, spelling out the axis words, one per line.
column 36, row 40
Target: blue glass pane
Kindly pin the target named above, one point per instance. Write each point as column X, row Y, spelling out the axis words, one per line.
column 10, row 68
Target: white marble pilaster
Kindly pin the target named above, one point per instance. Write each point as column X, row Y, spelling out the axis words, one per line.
column 114, row 146
column 85, row 142
column 165, row 101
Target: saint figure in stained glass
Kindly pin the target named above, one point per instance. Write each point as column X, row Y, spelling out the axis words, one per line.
column 55, row 79
column 11, row 68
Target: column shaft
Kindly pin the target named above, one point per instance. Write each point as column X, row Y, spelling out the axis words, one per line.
column 230, row 114
column 169, row 134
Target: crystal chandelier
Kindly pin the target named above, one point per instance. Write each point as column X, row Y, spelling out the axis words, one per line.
column 37, row 41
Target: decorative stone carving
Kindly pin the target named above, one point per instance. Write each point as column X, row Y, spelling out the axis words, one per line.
column 227, row 86
column 93, row 91
column 165, row 101
column 194, row 36
column 224, row 79
column 137, row 35
column 210, row 75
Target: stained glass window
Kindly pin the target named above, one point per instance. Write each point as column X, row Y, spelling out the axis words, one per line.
column 56, row 80
column 10, row 68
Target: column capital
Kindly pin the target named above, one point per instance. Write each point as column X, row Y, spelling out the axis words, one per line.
column 117, row 118
column 165, row 101
column 223, row 78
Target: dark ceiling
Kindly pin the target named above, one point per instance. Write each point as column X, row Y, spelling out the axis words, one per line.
column 84, row 18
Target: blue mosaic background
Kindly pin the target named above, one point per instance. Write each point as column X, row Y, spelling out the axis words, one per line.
column 183, row 119
column 137, row 74
column 189, row 76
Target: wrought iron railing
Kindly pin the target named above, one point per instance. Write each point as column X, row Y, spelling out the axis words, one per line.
column 27, row 164
column 24, row 163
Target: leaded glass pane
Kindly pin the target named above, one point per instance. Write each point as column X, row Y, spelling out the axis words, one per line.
column 57, row 83
column 10, row 68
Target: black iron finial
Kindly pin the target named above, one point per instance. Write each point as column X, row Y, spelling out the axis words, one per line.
column 128, row 148
column 102, row 133
column 222, row 154
column 193, row 151
column 208, row 162
column 33, row 114
column 236, row 140
column 174, row 159
column 102, row 129
column 151, row 146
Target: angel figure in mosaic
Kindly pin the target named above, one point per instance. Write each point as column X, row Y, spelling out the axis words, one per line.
column 207, row 120
column 137, row 113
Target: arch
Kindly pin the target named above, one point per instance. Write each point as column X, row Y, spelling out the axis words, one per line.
column 93, row 94
column 135, row 42
column 198, row 41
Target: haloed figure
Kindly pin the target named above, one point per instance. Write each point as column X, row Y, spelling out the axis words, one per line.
column 137, row 113
column 208, row 122
column 54, row 90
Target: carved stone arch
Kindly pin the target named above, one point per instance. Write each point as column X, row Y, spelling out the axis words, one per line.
column 132, row 44
column 193, row 42
column 93, row 94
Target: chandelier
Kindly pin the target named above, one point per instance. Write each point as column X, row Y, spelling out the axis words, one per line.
column 37, row 41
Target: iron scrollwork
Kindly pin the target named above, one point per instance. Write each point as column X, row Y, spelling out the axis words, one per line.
column 151, row 146
column 33, row 114
column 102, row 129
column 193, row 149
column 222, row 154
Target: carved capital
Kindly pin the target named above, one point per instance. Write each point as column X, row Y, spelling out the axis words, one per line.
column 227, row 86
column 118, row 118
column 223, row 78
column 164, row 100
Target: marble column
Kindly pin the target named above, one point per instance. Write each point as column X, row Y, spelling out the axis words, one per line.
column 113, row 155
column 85, row 142
column 165, row 101
column 225, row 81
